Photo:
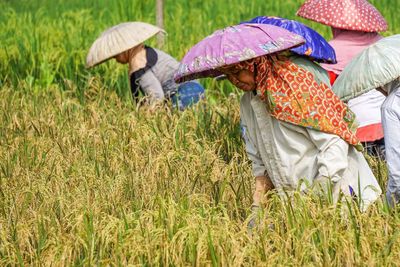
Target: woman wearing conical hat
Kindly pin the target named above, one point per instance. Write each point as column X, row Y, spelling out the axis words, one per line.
column 355, row 25
column 297, row 138
column 378, row 66
column 151, row 71
column 297, row 132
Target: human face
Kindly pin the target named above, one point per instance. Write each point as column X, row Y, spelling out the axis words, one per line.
column 241, row 78
column 122, row 58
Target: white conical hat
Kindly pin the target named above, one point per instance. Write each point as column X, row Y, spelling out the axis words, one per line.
column 374, row 67
column 118, row 39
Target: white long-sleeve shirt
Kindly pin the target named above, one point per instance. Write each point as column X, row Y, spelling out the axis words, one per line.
column 391, row 127
column 289, row 154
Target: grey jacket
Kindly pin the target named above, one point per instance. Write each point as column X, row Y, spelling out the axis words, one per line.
column 158, row 82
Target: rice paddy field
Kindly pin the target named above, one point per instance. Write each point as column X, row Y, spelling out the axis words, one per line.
column 87, row 178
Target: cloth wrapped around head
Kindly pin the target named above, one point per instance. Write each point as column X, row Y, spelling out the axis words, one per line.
column 293, row 95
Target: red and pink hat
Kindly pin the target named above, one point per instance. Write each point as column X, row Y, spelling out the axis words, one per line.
column 356, row 15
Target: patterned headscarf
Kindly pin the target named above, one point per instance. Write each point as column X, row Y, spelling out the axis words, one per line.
column 293, row 95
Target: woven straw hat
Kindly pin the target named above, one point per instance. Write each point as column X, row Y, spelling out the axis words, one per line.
column 118, row 39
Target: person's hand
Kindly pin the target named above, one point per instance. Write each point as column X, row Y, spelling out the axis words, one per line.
column 263, row 185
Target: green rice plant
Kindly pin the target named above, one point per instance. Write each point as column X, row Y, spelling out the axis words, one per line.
column 104, row 183
column 87, row 177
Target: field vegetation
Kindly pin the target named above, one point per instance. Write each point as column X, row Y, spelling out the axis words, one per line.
column 89, row 178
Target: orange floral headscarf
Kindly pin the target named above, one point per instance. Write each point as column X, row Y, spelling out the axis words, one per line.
column 293, row 95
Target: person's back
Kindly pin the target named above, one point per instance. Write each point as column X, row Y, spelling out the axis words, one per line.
column 355, row 26
column 347, row 45
column 164, row 70
column 156, row 81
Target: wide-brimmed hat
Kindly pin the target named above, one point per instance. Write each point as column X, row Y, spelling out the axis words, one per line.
column 118, row 39
column 374, row 67
column 356, row 15
column 315, row 47
column 232, row 45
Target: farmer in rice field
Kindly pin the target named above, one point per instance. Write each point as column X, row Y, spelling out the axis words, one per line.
column 151, row 70
column 298, row 133
column 391, row 127
column 284, row 144
column 378, row 66
column 355, row 25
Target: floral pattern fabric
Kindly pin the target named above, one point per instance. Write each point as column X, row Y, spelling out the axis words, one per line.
column 315, row 47
column 293, row 95
column 231, row 45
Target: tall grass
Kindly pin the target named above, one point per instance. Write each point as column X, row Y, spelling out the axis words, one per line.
column 46, row 43
column 105, row 183
column 89, row 178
